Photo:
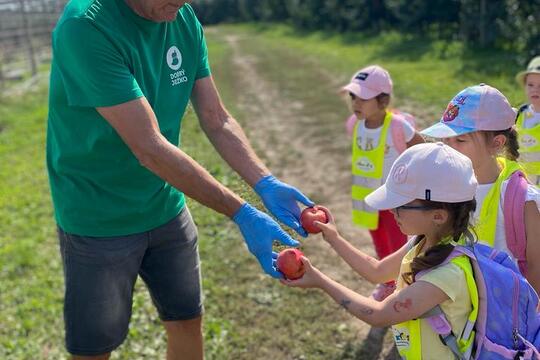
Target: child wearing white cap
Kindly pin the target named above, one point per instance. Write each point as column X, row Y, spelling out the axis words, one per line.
column 430, row 191
column 528, row 120
column 378, row 137
column 478, row 122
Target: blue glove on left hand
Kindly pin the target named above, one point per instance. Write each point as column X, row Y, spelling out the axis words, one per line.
column 281, row 200
column 260, row 231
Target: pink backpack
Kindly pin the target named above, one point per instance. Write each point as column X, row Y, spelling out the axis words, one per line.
column 396, row 127
column 514, row 219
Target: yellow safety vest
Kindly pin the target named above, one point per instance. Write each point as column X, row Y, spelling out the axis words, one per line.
column 529, row 143
column 367, row 171
column 487, row 222
column 408, row 337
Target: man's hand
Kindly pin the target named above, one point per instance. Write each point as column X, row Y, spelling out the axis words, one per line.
column 259, row 231
column 281, row 200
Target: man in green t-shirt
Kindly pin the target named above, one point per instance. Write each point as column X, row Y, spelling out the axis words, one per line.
column 122, row 74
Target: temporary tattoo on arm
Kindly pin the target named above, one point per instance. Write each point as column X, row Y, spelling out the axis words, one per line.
column 345, row 303
column 364, row 310
column 402, row 305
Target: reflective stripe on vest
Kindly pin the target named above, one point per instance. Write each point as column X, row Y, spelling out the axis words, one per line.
column 362, row 206
column 529, row 157
column 529, row 143
column 408, row 336
column 487, row 221
column 367, row 170
column 366, row 182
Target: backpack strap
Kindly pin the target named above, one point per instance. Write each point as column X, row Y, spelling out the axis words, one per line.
column 438, row 321
column 514, row 218
column 350, row 123
column 441, row 326
column 398, row 132
column 521, row 109
column 531, row 347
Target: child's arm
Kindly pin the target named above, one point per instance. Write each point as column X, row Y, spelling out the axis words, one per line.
column 373, row 270
column 409, row 303
column 416, row 139
column 532, row 230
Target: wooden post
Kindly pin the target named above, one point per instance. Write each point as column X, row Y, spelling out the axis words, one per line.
column 1, row 72
column 28, row 38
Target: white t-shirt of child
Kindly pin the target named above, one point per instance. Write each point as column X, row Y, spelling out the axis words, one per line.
column 531, row 119
column 533, row 194
column 368, row 139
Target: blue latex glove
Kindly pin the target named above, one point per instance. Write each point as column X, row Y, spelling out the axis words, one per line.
column 282, row 201
column 259, row 231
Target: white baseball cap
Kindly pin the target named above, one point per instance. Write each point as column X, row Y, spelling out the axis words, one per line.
column 430, row 171
column 369, row 82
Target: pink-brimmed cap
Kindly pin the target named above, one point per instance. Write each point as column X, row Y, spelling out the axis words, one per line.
column 476, row 108
column 369, row 82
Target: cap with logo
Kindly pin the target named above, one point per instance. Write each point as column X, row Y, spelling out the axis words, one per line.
column 429, row 171
column 369, row 82
column 476, row 108
column 532, row 68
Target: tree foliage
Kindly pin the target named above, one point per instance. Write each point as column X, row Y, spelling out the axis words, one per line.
column 509, row 24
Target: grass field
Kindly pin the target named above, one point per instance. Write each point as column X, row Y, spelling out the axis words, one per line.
column 248, row 316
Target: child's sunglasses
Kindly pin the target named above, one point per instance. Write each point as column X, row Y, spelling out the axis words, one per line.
column 413, row 207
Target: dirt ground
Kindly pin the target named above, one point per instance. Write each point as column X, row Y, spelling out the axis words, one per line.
column 317, row 164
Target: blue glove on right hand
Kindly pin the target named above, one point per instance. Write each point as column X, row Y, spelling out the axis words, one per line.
column 282, row 201
column 259, row 231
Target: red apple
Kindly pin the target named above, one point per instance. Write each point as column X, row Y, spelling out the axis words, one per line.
column 289, row 263
column 309, row 215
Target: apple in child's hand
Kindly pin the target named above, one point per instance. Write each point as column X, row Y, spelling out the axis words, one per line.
column 309, row 215
column 290, row 264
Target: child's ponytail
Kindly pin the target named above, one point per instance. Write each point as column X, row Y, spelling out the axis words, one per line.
column 512, row 144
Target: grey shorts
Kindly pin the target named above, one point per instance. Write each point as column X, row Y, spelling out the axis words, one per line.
column 100, row 273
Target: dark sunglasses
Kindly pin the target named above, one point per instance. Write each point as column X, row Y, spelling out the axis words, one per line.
column 413, row 207
column 352, row 96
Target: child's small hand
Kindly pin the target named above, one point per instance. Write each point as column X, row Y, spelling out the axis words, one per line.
column 329, row 230
column 310, row 279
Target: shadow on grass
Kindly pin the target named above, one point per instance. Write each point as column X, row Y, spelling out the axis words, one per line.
column 489, row 62
column 371, row 348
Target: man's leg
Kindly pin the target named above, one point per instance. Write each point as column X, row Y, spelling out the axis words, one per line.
column 99, row 276
column 184, row 339
column 171, row 271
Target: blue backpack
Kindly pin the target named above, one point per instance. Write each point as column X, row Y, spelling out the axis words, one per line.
column 508, row 322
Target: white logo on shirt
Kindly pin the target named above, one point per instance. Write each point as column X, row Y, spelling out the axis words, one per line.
column 174, row 61
column 174, row 58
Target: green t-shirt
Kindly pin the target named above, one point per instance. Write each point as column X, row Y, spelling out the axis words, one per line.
column 104, row 54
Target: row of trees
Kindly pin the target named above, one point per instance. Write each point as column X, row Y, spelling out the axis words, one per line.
column 508, row 24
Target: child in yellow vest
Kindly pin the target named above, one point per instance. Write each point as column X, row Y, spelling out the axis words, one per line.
column 379, row 136
column 430, row 191
column 528, row 120
column 478, row 122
